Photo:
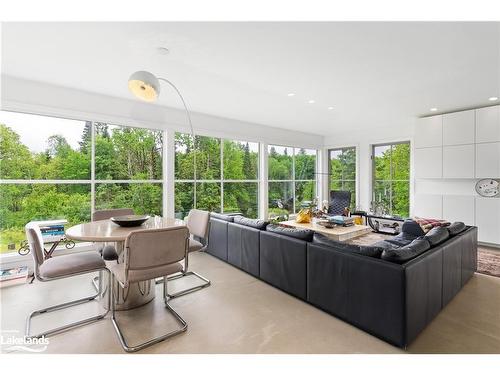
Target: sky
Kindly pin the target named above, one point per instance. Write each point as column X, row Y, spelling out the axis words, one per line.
column 34, row 130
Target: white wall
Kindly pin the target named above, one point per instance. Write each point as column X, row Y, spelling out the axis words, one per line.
column 363, row 141
column 41, row 98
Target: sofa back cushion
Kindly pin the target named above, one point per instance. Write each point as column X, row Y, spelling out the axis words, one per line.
column 411, row 227
column 301, row 234
column 254, row 223
column 456, row 228
column 404, row 254
column 437, row 235
column 222, row 217
column 373, row 251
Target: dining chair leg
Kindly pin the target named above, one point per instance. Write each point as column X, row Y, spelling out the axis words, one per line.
column 205, row 284
column 60, row 307
column 155, row 340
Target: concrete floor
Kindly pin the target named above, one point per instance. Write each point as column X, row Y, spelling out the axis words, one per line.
column 240, row 314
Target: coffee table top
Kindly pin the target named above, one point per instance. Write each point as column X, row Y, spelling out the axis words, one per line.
column 338, row 233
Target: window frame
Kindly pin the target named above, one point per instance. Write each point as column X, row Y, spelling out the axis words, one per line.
column 294, row 180
column 391, row 181
column 343, row 148
column 221, row 181
column 92, row 181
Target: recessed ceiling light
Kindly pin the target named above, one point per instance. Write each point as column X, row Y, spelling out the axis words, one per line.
column 433, row 109
column 163, row 51
column 330, row 108
column 291, row 94
column 312, row 101
column 493, row 98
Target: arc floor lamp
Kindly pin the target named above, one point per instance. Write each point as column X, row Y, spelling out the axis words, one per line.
column 146, row 86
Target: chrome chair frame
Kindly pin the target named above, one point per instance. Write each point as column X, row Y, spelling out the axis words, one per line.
column 185, row 273
column 68, row 304
column 112, row 281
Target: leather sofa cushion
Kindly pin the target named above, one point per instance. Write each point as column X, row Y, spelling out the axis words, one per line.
column 404, row 254
column 402, row 239
column 254, row 223
column 301, row 234
column 222, row 216
column 412, row 227
column 456, row 228
column 437, row 235
column 385, row 245
column 373, row 251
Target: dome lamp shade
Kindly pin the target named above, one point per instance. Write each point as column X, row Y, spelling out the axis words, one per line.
column 144, row 85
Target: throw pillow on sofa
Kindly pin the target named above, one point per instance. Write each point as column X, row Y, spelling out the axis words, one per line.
column 373, row 251
column 404, row 254
column 301, row 234
column 411, row 227
column 254, row 223
column 437, row 235
column 456, row 228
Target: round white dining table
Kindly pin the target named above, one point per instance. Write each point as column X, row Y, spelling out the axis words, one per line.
column 136, row 294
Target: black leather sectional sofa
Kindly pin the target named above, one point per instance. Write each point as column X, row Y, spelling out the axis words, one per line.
column 391, row 289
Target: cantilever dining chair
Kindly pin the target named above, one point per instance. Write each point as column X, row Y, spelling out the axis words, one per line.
column 60, row 267
column 107, row 252
column 149, row 254
column 197, row 222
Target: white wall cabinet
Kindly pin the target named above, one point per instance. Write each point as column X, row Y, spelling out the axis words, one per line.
column 488, row 160
column 458, row 128
column 488, row 124
column 488, row 219
column 429, row 206
column 429, row 132
column 428, row 162
column 458, row 208
column 458, row 161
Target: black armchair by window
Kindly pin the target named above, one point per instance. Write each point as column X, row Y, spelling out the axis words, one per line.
column 338, row 201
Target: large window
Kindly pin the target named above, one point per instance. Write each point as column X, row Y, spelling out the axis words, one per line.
column 226, row 175
column 342, row 169
column 391, row 179
column 292, row 179
column 48, row 171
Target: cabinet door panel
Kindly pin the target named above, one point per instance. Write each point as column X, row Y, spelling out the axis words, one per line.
column 429, row 162
column 488, row 124
column 458, row 208
column 488, row 160
column 429, row 132
column 458, row 128
column 458, row 161
column 428, row 206
column 488, row 219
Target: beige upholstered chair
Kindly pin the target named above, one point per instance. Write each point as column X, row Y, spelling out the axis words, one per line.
column 108, row 214
column 149, row 254
column 105, row 215
column 197, row 222
column 60, row 267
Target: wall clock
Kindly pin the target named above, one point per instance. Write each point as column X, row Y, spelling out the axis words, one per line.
column 488, row 187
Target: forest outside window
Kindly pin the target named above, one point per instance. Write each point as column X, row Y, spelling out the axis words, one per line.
column 343, row 171
column 46, row 171
column 291, row 179
column 226, row 175
column 391, row 179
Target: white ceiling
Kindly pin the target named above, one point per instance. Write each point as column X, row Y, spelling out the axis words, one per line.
column 373, row 74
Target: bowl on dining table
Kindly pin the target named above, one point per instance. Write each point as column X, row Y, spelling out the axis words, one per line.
column 130, row 220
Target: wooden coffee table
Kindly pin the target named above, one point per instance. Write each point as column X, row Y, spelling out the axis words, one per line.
column 337, row 233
